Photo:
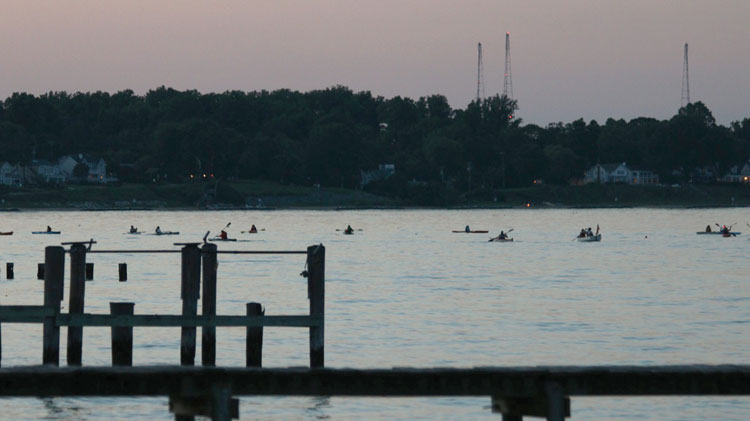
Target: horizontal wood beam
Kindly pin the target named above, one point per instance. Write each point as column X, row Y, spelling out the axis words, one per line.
column 169, row 320
column 25, row 314
column 511, row 382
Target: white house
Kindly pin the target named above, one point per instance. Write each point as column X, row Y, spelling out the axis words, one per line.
column 97, row 167
column 10, row 175
column 737, row 175
column 48, row 172
column 619, row 173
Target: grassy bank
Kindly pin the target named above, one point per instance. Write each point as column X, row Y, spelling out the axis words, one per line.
column 261, row 194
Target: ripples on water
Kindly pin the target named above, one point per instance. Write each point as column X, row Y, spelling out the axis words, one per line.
column 407, row 292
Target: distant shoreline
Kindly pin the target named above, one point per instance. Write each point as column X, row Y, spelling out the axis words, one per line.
column 266, row 196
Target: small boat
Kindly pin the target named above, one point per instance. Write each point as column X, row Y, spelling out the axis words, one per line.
column 597, row 237
column 222, row 239
column 718, row 232
column 45, row 232
column 6, row 233
column 167, row 233
column 500, row 240
column 470, row 232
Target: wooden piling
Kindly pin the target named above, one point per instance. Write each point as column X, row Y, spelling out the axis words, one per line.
column 316, row 256
column 9, row 270
column 254, row 339
column 123, row 272
column 191, row 276
column 208, row 333
column 122, row 337
column 40, row 271
column 54, row 258
column 89, row 271
column 77, row 296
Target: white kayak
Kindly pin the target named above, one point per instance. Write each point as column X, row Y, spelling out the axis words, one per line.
column 597, row 237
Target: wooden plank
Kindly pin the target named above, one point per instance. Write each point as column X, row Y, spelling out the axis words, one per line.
column 54, row 257
column 169, row 320
column 191, row 278
column 77, row 298
column 25, row 314
column 208, row 305
column 488, row 381
column 122, row 337
column 254, row 338
column 316, row 257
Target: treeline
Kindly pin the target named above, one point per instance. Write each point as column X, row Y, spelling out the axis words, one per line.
column 328, row 136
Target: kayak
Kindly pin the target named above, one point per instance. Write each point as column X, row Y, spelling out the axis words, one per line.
column 45, row 232
column 597, row 237
column 470, row 232
column 6, row 233
column 223, row 239
column 500, row 240
column 133, row 233
column 718, row 232
column 348, row 233
column 167, row 233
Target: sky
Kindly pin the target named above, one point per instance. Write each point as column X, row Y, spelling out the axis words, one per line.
column 571, row 59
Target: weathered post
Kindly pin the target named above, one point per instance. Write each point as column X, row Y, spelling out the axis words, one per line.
column 123, row 272
column 254, row 340
column 89, row 271
column 316, row 256
column 77, row 296
column 191, row 278
column 556, row 402
column 54, row 257
column 122, row 336
column 9, row 270
column 40, row 271
column 208, row 333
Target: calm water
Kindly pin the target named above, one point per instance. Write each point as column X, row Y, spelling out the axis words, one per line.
column 405, row 291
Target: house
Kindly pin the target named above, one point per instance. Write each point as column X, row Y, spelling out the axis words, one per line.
column 383, row 172
column 48, row 172
column 737, row 174
column 619, row 173
column 97, row 167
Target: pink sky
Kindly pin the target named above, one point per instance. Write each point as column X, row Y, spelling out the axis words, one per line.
column 571, row 59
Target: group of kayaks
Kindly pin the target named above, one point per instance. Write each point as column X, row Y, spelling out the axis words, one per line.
column 724, row 231
column 223, row 235
column 47, row 231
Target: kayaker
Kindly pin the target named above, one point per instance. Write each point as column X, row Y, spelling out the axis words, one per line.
column 133, row 229
column 253, row 230
column 223, row 235
column 467, row 229
column 49, row 229
column 502, row 235
column 158, row 230
column 589, row 233
column 349, row 229
column 708, row 228
column 583, row 233
column 724, row 229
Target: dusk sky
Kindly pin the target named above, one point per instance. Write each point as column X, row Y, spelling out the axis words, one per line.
column 571, row 59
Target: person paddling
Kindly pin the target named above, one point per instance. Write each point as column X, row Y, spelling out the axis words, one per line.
column 133, row 229
column 467, row 229
column 253, row 230
column 349, row 229
column 708, row 228
column 502, row 235
column 49, row 229
column 583, row 233
column 158, row 230
column 223, row 235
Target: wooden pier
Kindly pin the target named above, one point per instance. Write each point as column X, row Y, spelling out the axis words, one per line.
column 513, row 392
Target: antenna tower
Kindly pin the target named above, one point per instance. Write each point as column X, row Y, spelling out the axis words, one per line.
column 685, row 81
column 508, row 78
column 480, row 73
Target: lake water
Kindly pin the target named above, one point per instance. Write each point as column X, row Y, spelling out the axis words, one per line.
column 405, row 291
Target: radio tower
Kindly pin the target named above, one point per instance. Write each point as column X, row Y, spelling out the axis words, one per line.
column 480, row 73
column 685, row 81
column 508, row 79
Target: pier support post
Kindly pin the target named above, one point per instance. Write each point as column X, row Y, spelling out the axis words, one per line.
column 89, row 271
column 54, row 258
column 208, row 333
column 122, row 336
column 122, row 270
column 77, row 297
column 316, row 256
column 191, row 278
column 9, row 270
column 40, row 271
column 254, row 341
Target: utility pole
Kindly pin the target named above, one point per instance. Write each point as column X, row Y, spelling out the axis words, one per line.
column 480, row 73
column 685, row 100
column 508, row 77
